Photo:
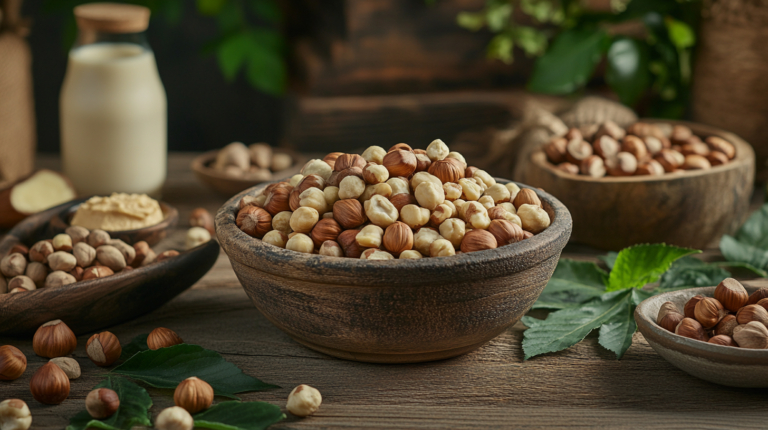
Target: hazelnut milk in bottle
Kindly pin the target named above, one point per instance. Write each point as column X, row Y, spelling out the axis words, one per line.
column 113, row 105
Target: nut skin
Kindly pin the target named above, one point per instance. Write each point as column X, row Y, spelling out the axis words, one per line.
column 726, row 325
column 447, row 170
column 347, row 161
column 174, row 418
column 690, row 306
column 194, row 395
column 731, row 294
column 400, row 146
column 200, row 217
column 651, row 168
column 723, row 340
column 103, row 349
column 97, row 272
column 400, row 200
column 624, row 164
column 303, row 401
column 102, row 403
column 49, row 385
column 568, row 168
column 278, row 200
column 526, row 196
column 144, row 254
column 84, row 254
column 593, row 166
column 696, row 162
column 635, row 146
column 752, row 335
column 70, row 366
column 14, row 415
column 752, row 313
column 670, row 159
column 40, row 251
column 606, row 147
column 325, row 229
column 254, row 222
column 692, row 329
column 54, row 339
column 58, row 279
column 669, row 316
column 347, row 241
column 478, row 240
column 349, row 213
column 716, row 158
column 162, row 337
column 332, row 157
column 400, row 163
column 13, row 363
column 398, row 237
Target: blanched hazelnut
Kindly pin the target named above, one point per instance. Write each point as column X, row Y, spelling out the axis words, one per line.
column 62, row 242
column 383, row 190
column 414, row 216
column 423, row 239
column 314, row 198
column 410, row 255
column 282, row 222
column 452, row 191
column 507, row 206
column 485, row 177
column 375, row 174
column 59, row 279
column 476, row 215
column 399, row 186
column 374, row 154
column 420, row 177
column 317, row 167
column 351, row 187
column 127, row 250
column 437, row 150
column 534, row 218
column 498, row 192
column 454, row 211
column 513, row 190
column 457, row 156
column 196, row 236
column 276, row 238
column 234, row 154
column 441, row 213
column 429, row 195
column 96, row 272
column 331, row 195
column 37, row 272
column 453, row 230
column 376, row 254
column 370, row 236
column 441, row 248
column 63, row 261
column 653, row 144
column 296, row 179
column 303, row 219
column 331, row 249
column 174, row 418
column 303, row 400
column 300, row 243
column 380, row 211
column 470, row 190
column 486, row 201
column 77, row 233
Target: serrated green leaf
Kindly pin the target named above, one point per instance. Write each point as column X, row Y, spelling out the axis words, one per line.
column 573, row 282
column 736, row 251
column 639, row 265
column 565, row 328
column 136, row 345
column 167, row 367
column 531, row 322
column 133, row 411
column 616, row 335
column 569, row 62
column 627, row 69
column 239, row 416
column 689, row 272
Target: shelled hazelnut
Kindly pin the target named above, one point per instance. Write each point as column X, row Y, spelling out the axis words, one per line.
column 257, row 161
column 641, row 149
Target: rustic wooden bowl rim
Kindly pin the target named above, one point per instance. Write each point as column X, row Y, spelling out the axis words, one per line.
column 200, row 165
column 230, row 235
column 744, row 154
column 170, row 215
column 646, row 323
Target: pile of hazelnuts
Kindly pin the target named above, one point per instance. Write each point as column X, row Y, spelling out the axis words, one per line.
column 402, row 203
column 641, row 149
column 731, row 318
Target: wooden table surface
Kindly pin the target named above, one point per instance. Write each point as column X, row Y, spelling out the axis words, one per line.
column 584, row 386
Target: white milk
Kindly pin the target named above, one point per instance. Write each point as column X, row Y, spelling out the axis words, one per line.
column 113, row 120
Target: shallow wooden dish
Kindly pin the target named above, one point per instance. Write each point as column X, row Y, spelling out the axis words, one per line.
column 397, row 311
column 152, row 234
column 91, row 305
column 734, row 367
column 692, row 209
column 228, row 185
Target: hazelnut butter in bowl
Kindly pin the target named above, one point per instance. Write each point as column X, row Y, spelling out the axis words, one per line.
column 393, row 256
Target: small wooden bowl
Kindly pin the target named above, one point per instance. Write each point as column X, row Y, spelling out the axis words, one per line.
column 229, row 185
column 691, row 209
column 396, row 311
column 91, row 305
column 724, row 365
column 152, row 234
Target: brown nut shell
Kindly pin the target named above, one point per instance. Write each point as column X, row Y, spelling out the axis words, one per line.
column 758, row 295
column 13, row 363
column 49, row 385
column 162, row 337
column 731, row 294
column 253, row 221
column 447, row 170
column 692, row 329
column 398, row 237
column 54, row 339
column 325, row 229
column 347, row 161
column 726, row 325
column 349, row 213
column 752, row 313
column 103, row 349
column 478, row 240
column 723, row 340
column 526, row 196
column 709, row 311
column 505, row 232
column 690, row 305
column 194, row 395
column 400, row 163
column 102, row 403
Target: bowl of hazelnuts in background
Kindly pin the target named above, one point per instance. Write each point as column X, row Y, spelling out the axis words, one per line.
column 719, row 334
column 675, row 182
column 393, row 256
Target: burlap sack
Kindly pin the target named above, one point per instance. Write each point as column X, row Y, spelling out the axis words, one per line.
column 17, row 114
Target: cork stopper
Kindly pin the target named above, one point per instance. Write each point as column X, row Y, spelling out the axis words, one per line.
column 112, row 17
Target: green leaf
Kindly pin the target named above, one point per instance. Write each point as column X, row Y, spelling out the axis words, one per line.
column 680, row 33
column 239, row 416
column 543, row 10
column 569, row 62
column 498, row 14
column 639, row 265
column 167, row 367
column 531, row 40
column 266, row 71
column 133, row 410
column 734, row 250
column 627, row 72
column 755, row 231
column 743, row 266
column 572, row 283
column 500, row 48
column 231, row 54
column 689, row 272
column 567, row 327
column 616, row 335
column 609, row 259
column 138, row 344
column 471, row 20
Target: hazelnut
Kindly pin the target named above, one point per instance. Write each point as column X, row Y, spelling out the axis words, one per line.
column 593, row 166
column 300, row 242
column 624, row 164
column 40, row 252
column 20, row 248
column 471, row 190
column 200, row 217
column 452, row 191
column 348, row 161
column 49, row 385
column 606, row 147
column 696, row 162
column 577, row 150
column 194, row 395
column 37, row 272
column 420, row 177
column 437, row 150
column 325, row 229
column 485, row 179
column 13, row 363
column 758, row 295
column 440, row 214
column 399, row 201
column 669, row 316
column 478, row 240
column 70, row 366
column 692, row 329
column 610, row 128
column 381, row 212
column 716, row 158
column 13, row 265
column 62, row 242
column 383, row 190
column 374, row 154
column 723, row 340
column 763, row 303
column 402, row 146
column 59, row 279
column 453, row 230
column 304, row 219
column 653, row 144
column 375, row 173
column 332, row 157
column 400, row 163
column 457, row 156
column 670, row 159
column 280, row 161
column 514, row 190
column 96, row 272
column 277, row 200
column 635, row 146
column 399, row 186
column 370, row 236
column 54, row 339
column 349, row 245
column 752, row 313
column 424, row 238
column 505, row 232
column 476, row 215
column 103, row 349
column 349, row 213
column 447, row 170
column 414, row 216
column 694, row 148
column 752, row 335
column 555, row 150
column 470, row 171
column 98, row 238
column 410, row 255
column 18, row 290
column 282, row 222
column 294, row 201
column 709, row 312
column 245, row 201
column 109, row 256
column 162, row 337
column 731, row 294
column 690, row 306
column 14, row 415
column 276, row 238
column 651, row 167
column 84, row 254
column 22, row 281
column 441, row 248
column 499, row 193
column 331, row 248
column 423, row 162
column 196, row 236
column 376, row 254
column 429, row 195
column 303, row 401
column 102, row 403
column 486, row 201
column 568, row 168
column 721, row 145
column 317, row 167
column 726, row 325
column 253, row 221
column 61, row 260
column 526, row 196
column 174, row 418
column 351, row 187
column 680, row 134
column 398, row 238
column 533, row 218
column 235, row 154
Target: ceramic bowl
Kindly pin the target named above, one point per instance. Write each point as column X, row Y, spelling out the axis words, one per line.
column 91, row 305
column 229, row 185
column 724, row 365
column 396, row 311
column 617, row 212
column 152, row 234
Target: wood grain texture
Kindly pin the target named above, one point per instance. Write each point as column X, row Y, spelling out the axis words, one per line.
column 692, row 209
column 397, row 311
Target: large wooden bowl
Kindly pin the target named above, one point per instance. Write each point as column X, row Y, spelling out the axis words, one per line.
column 91, row 305
column 724, row 365
column 396, row 311
column 692, row 209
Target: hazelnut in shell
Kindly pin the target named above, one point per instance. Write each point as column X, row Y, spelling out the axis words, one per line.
column 54, row 339
column 349, row 213
column 731, row 294
column 726, row 325
column 103, row 349
column 709, row 311
column 752, row 313
column 194, row 395
column 690, row 306
column 752, row 335
column 254, row 221
column 478, row 240
column 723, row 340
column 398, row 237
column 13, row 363
column 102, row 403
column 400, row 163
column 162, row 337
column 692, row 329
column 200, row 217
column 758, row 295
column 49, row 385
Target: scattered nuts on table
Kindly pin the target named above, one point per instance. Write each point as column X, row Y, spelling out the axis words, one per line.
column 194, row 395
column 102, row 403
column 304, row 400
column 70, row 366
column 392, row 202
column 54, row 339
column 103, row 349
column 162, row 337
column 257, row 161
column 174, row 418
column 15, row 415
column 49, row 385
column 641, row 149
column 13, row 363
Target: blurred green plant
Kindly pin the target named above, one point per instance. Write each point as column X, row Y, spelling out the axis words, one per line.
column 248, row 38
column 651, row 66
